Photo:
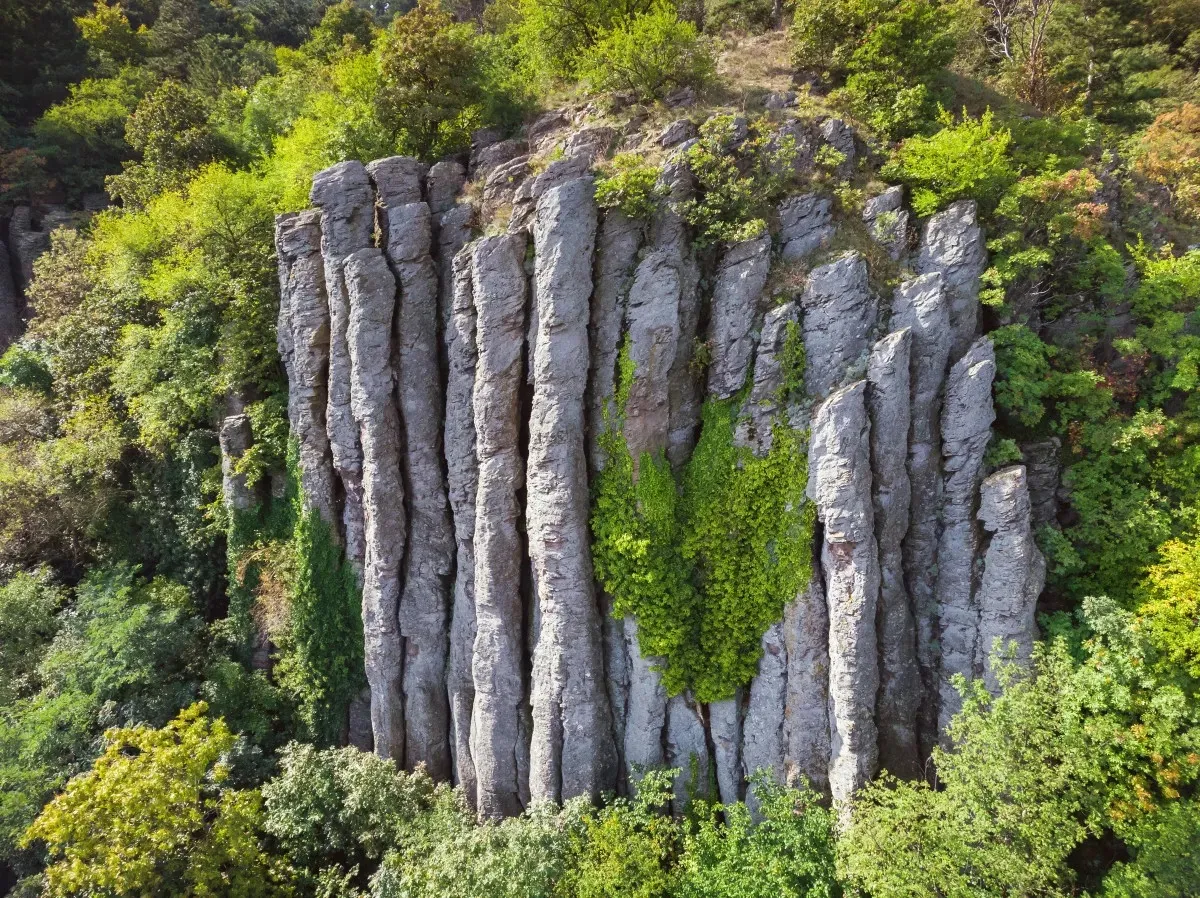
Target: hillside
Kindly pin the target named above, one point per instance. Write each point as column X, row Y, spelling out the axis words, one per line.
column 551, row 447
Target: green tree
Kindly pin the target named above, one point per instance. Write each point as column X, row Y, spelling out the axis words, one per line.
column 345, row 27
column 112, row 42
column 553, row 35
column 29, row 603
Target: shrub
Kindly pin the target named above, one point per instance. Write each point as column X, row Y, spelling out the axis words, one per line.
column 554, row 35
column 632, row 186
column 968, row 160
column 1169, row 154
column 650, row 56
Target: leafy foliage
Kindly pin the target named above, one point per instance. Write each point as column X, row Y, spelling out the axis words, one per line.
column 632, row 186
column 652, row 56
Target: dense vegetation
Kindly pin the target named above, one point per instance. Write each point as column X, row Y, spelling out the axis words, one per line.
column 132, row 602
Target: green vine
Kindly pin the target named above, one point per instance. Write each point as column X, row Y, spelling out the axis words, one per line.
column 706, row 563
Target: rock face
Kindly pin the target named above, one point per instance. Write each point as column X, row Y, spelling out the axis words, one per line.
column 967, row 417
column 497, row 724
column 1014, row 573
column 407, row 229
column 371, row 299
column 452, row 399
column 11, row 324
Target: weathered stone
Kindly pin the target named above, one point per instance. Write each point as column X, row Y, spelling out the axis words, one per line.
column 592, row 142
column 406, row 229
column 344, row 196
column 839, row 316
column 687, row 750
column 371, row 295
column 11, row 325
column 952, row 244
column 889, row 404
column 676, row 133
column 725, row 728
column 235, row 438
column 1043, row 472
column 840, row 136
column 442, row 185
column 617, row 244
column 646, row 708
column 735, row 309
column 840, row 485
column 557, row 173
column 497, row 744
column 887, row 220
column 1014, row 573
column 502, row 184
column 805, row 225
column 967, row 417
column 452, row 232
column 762, row 730
column 794, row 137
column 685, row 96
column 462, row 477
column 397, row 181
column 653, row 335
column 303, row 336
column 572, row 752
column 777, row 100
column 756, row 422
column 806, row 712
column 547, row 125
column 487, row 159
column 920, row 305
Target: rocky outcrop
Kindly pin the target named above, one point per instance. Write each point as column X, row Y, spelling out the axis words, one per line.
column 303, row 336
column 920, row 306
column 235, row 438
column 736, row 298
column 889, row 405
column 763, row 747
column 11, row 325
column 805, row 225
column 572, row 752
column 1044, row 475
column 887, row 220
column 407, row 231
column 1014, row 573
column 806, row 725
column 952, row 245
column 839, row 317
column 371, row 299
column 498, row 745
column 343, row 194
column 839, row 484
column 756, row 423
column 725, row 729
column 967, row 416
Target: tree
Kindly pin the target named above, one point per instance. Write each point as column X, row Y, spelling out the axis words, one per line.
column 28, row 605
column 553, row 34
column 1168, row 153
column 112, row 42
column 345, row 27
column 172, row 826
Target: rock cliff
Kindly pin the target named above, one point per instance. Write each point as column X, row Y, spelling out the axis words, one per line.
column 451, row 397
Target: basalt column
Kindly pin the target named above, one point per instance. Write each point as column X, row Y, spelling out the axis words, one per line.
column 371, row 293
column 967, row 417
column 572, row 752
column 498, row 744
column 344, row 196
column 407, row 229
column 840, row 485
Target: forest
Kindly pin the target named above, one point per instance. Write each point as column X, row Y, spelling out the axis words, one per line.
column 182, row 635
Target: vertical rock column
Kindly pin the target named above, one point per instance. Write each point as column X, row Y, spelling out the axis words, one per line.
column 899, row 679
column 497, row 744
column 572, row 752
column 737, row 294
column 920, row 306
column 967, row 417
column 840, row 485
column 839, row 315
column 343, row 194
column 462, row 475
column 806, row 725
column 1014, row 572
column 303, row 335
column 408, row 232
column 11, row 324
column 952, row 245
column 371, row 294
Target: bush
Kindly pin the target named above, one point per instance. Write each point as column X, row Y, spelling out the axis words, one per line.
column 554, row 35
column 1169, row 154
column 968, row 160
column 631, row 186
column 651, row 56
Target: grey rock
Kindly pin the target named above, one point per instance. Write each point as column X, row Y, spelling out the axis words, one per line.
column 840, row 136
column 358, row 721
column 452, row 232
column 617, row 245
column 462, row 478
column 899, row 700
column 687, row 751
column 591, row 142
column 920, row 305
column 736, row 306
column 344, row 196
column 487, row 159
column 303, row 336
column 756, row 423
column 806, row 728
column 498, row 746
column 725, row 728
column 762, row 730
column 653, row 334
column 557, row 173
column 11, row 325
column 572, row 753
column 646, row 708
column 676, row 133
column 500, row 188
column 1014, row 573
column 235, row 438
column 397, row 181
column 887, row 220
column 1043, row 471
column 795, row 136
column 442, row 185
column 777, row 100
column 685, row 96
column 547, row 125
column 371, row 292
column 952, row 244
column 839, row 316
column 967, row 417
column 407, row 230
column 805, row 225
column 840, row 485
